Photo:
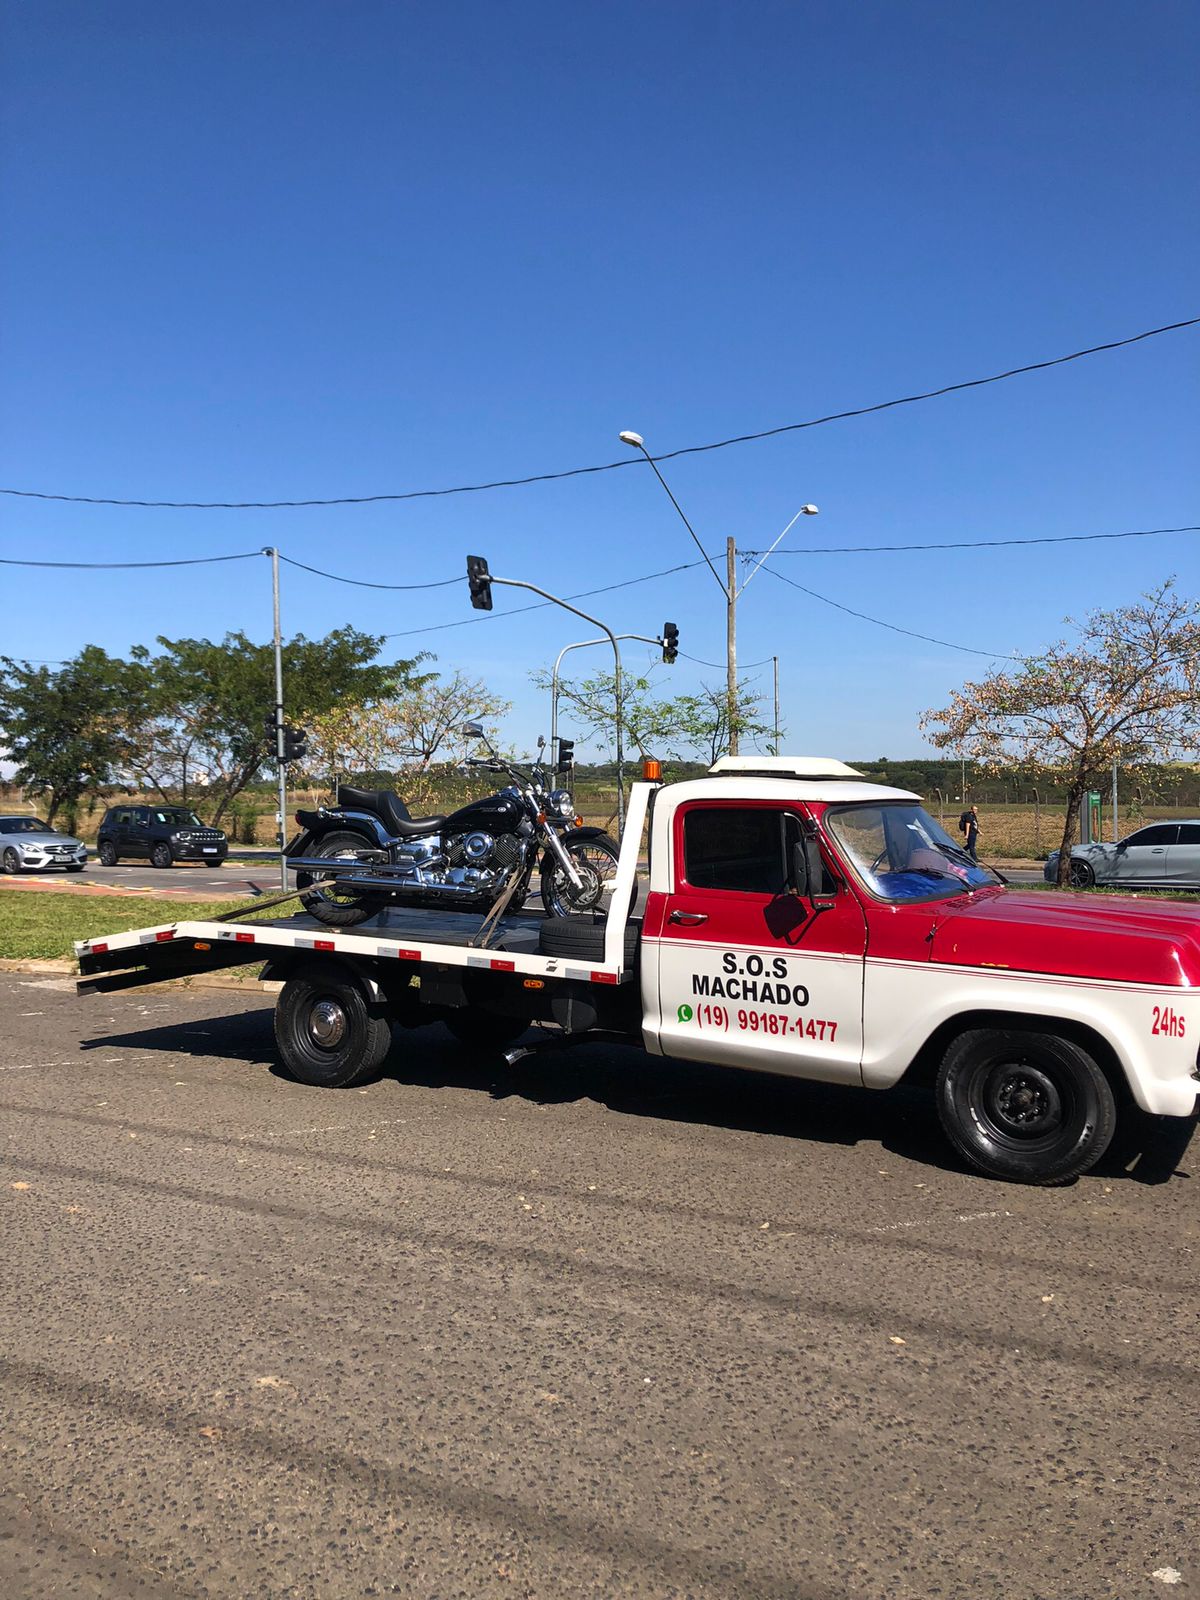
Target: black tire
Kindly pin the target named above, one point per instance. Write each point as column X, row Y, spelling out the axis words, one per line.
column 330, row 1035
column 1025, row 1106
column 78, row 867
column 108, row 853
column 213, row 864
column 599, row 858
column 582, row 939
column 1081, row 875
column 12, row 861
column 485, row 1030
column 339, row 910
column 160, row 854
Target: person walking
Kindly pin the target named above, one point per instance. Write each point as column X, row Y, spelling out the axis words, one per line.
column 972, row 831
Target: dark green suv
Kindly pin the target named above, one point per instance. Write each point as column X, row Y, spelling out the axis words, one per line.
column 160, row 835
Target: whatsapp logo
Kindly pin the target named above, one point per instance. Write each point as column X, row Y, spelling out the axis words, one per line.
column 684, row 1014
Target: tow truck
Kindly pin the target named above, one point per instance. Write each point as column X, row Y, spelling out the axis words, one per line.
column 796, row 920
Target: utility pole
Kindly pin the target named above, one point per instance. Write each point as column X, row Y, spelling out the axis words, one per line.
column 731, row 595
column 775, row 673
column 279, row 761
column 1115, row 834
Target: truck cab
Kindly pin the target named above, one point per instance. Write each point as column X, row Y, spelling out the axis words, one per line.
column 803, row 921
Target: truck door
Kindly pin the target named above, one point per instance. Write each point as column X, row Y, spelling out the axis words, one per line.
column 748, row 973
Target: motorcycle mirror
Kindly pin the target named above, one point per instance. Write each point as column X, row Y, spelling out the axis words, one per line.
column 473, row 730
column 541, row 742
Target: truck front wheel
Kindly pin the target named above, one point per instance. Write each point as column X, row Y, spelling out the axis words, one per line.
column 330, row 1035
column 1025, row 1106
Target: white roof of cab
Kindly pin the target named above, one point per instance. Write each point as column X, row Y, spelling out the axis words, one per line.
column 784, row 767
column 752, row 786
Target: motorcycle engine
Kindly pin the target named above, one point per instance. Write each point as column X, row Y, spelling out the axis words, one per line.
column 469, row 849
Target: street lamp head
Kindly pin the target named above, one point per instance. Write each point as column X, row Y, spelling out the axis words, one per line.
column 810, row 511
column 634, row 440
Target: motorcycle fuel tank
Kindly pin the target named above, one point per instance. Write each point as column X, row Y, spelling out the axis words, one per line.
column 498, row 813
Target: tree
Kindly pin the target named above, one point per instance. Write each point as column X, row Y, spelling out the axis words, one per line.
column 219, row 694
column 65, row 730
column 1125, row 690
column 682, row 728
column 411, row 730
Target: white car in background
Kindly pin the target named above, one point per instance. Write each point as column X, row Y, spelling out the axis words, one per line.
column 27, row 844
column 1162, row 855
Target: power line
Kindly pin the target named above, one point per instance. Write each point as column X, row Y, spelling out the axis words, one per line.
column 719, row 666
column 361, row 583
column 993, row 655
column 968, row 544
column 91, row 566
column 608, row 466
column 542, row 605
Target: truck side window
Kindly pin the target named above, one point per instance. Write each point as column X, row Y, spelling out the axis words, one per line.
column 742, row 850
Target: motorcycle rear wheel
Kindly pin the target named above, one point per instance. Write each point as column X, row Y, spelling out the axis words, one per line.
column 596, row 862
column 338, row 908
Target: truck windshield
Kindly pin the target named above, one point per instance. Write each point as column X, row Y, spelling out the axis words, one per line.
column 901, row 853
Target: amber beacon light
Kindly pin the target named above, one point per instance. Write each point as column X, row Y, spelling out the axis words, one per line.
column 652, row 770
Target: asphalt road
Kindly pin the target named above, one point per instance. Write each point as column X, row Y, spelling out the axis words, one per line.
column 593, row 1326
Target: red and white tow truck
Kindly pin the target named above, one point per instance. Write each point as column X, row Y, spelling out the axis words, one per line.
column 798, row 921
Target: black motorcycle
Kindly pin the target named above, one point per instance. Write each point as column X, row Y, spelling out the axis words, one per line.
column 462, row 862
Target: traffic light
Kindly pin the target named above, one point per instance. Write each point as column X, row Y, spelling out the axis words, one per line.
column 566, row 753
column 271, row 729
column 670, row 643
column 294, row 747
column 480, row 580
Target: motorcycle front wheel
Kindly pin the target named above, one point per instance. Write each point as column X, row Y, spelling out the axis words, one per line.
column 338, row 908
column 595, row 860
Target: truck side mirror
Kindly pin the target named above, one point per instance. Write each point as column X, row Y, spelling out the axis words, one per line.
column 809, row 877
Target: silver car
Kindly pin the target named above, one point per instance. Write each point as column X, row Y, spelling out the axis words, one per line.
column 1162, row 855
column 27, row 844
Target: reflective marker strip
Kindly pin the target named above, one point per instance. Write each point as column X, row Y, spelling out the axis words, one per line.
column 324, row 944
column 244, row 938
column 504, row 966
column 163, row 937
column 604, row 977
column 99, row 949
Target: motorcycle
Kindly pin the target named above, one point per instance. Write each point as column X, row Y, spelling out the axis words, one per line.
column 369, row 852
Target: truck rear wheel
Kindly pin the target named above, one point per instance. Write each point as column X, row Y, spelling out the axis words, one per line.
column 1025, row 1106
column 329, row 1033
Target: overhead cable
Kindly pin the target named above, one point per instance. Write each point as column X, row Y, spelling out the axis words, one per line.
column 607, row 466
column 542, row 605
column 966, row 544
column 994, row 655
column 362, row 583
column 93, row 566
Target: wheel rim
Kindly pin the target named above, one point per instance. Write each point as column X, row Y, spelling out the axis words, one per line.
column 10, row 861
column 160, row 857
column 326, row 1024
column 596, row 867
column 1022, row 1105
column 1081, row 874
column 326, row 888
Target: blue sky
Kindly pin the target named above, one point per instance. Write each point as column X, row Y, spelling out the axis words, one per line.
column 294, row 250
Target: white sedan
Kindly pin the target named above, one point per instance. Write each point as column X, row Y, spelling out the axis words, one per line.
column 1162, row 855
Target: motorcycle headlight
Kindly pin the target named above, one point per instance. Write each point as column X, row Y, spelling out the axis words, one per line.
column 559, row 803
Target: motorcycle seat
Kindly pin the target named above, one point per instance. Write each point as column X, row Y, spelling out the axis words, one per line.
column 389, row 808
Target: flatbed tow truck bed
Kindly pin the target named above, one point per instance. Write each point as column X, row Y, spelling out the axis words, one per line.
column 444, row 939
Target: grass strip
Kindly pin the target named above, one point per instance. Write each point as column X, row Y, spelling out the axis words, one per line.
column 39, row 926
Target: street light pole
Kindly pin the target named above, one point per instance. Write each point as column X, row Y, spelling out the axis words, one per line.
column 775, row 674
column 731, row 597
column 579, row 645
column 519, row 583
column 281, row 768
column 729, row 588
